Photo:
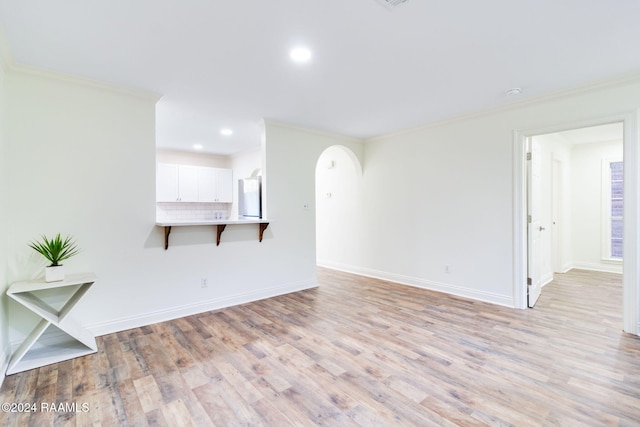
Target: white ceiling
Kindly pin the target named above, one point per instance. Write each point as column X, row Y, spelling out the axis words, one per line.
column 374, row 71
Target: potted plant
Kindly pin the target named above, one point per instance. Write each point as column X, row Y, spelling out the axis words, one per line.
column 55, row 251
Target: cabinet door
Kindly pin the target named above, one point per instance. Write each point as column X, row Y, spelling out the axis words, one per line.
column 224, row 185
column 206, row 185
column 188, row 183
column 167, row 183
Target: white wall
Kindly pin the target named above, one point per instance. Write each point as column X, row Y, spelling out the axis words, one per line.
column 82, row 162
column 587, row 204
column 437, row 197
column 289, row 175
column 443, row 195
column 563, row 251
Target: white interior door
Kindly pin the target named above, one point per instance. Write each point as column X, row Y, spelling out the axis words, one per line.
column 534, row 230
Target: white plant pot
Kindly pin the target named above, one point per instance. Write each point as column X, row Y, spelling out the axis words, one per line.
column 54, row 274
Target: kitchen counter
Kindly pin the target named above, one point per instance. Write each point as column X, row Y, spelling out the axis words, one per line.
column 171, row 223
column 219, row 223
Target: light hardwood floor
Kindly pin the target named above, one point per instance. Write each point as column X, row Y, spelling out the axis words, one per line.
column 358, row 351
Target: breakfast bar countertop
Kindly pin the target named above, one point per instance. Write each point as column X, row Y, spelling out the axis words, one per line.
column 176, row 223
column 220, row 224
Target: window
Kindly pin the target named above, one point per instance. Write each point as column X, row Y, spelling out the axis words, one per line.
column 616, row 201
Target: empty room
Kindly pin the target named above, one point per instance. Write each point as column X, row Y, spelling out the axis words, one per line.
column 319, row 212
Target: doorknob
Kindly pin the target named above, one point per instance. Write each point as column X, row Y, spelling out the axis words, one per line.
column 541, row 228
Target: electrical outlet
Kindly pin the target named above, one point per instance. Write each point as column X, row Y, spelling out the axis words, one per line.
column 204, row 283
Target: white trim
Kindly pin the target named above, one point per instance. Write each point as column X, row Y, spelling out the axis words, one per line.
column 6, row 57
column 519, row 222
column 313, row 131
column 546, row 280
column 566, row 268
column 504, row 300
column 137, row 321
column 484, row 112
column 83, row 81
column 631, row 268
column 599, row 267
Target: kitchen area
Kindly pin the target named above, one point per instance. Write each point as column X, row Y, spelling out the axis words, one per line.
column 201, row 189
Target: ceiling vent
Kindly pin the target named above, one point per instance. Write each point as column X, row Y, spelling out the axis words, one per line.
column 391, row 4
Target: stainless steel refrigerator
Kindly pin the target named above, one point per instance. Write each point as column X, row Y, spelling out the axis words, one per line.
column 250, row 197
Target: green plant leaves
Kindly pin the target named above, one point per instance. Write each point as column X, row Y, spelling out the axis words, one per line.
column 55, row 250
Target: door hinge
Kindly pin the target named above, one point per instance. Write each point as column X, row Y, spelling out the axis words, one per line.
column 529, row 281
column 528, row 156
column 529, row 219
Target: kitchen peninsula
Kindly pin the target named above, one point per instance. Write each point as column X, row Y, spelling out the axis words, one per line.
column 220, row 225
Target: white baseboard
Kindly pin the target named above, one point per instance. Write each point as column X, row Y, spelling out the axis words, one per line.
column 605, row 268
column 475, row 294
column 187, row 310
column 547, row 279
column 565, row 268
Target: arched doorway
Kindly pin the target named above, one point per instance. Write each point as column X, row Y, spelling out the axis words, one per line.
column 338, row 207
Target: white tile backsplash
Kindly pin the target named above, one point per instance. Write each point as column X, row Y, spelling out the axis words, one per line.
column 178, row 211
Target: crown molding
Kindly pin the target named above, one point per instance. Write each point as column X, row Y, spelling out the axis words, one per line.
column 83, row 81
column 562, row 93
column 8, row 64
column 270, row 122
column 6, row 58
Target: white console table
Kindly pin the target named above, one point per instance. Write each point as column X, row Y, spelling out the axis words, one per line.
column 77, row 342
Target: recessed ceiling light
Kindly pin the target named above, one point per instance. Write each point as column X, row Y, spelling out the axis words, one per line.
column 300, row 54
column 197, row 146
column 513, row 91
column 226, row 132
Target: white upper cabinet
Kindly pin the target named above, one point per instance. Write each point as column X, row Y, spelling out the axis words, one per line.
column 215, row 185
column 182, row 183
column 207, row 185
column 188, row 183
column 224, row 185
column 167, row 183
column 176, row 183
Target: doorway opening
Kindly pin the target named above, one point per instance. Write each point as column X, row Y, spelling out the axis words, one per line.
column 574, row 207
column 631, row 210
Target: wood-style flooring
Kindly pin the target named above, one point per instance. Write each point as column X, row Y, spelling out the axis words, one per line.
column 358, row 352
